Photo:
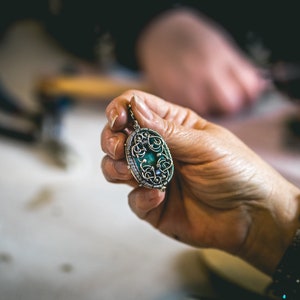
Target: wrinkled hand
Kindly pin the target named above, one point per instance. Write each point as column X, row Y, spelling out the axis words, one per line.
column 189, row 61
column 221, row 192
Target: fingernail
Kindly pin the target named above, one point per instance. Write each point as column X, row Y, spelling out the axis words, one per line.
column 112, row 117
column 113, row 144
column 142, row 107
column 123, row 168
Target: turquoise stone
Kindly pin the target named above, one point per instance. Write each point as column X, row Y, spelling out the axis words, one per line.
column 150, row 157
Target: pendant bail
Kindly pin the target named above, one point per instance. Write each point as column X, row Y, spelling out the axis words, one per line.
column 136, row 125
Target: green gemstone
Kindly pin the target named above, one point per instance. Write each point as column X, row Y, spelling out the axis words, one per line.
column 150, row 157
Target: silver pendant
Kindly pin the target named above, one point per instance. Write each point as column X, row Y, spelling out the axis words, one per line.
column 148, row 157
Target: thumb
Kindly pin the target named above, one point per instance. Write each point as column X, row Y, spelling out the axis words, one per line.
column 177, row 125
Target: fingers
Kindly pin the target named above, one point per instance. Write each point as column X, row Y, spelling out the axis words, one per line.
column 225, row 93
column 163, row 116
column 112, row 142
column 113, row 165
column 115, row 170
column 117, row 110
column 251, row 82
column 235, row 86
column 147, row 204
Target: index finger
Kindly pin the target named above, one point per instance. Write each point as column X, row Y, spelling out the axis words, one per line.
column 117, row 110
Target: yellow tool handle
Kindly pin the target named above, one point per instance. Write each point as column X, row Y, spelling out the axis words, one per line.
column 91, row 87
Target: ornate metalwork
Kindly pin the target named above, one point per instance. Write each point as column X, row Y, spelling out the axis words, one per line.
column 148, row 157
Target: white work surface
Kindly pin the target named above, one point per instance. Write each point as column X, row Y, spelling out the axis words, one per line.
column 67, row 234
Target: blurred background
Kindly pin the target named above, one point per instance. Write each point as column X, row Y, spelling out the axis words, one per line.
column 66, row 233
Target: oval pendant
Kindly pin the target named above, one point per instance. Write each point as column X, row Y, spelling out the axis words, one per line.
column 148, row 157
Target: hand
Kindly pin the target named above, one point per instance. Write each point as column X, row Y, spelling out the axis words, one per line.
column 190, row 61
column 222, row 194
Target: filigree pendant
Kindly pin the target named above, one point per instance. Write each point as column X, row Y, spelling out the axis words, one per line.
column 148, row 157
